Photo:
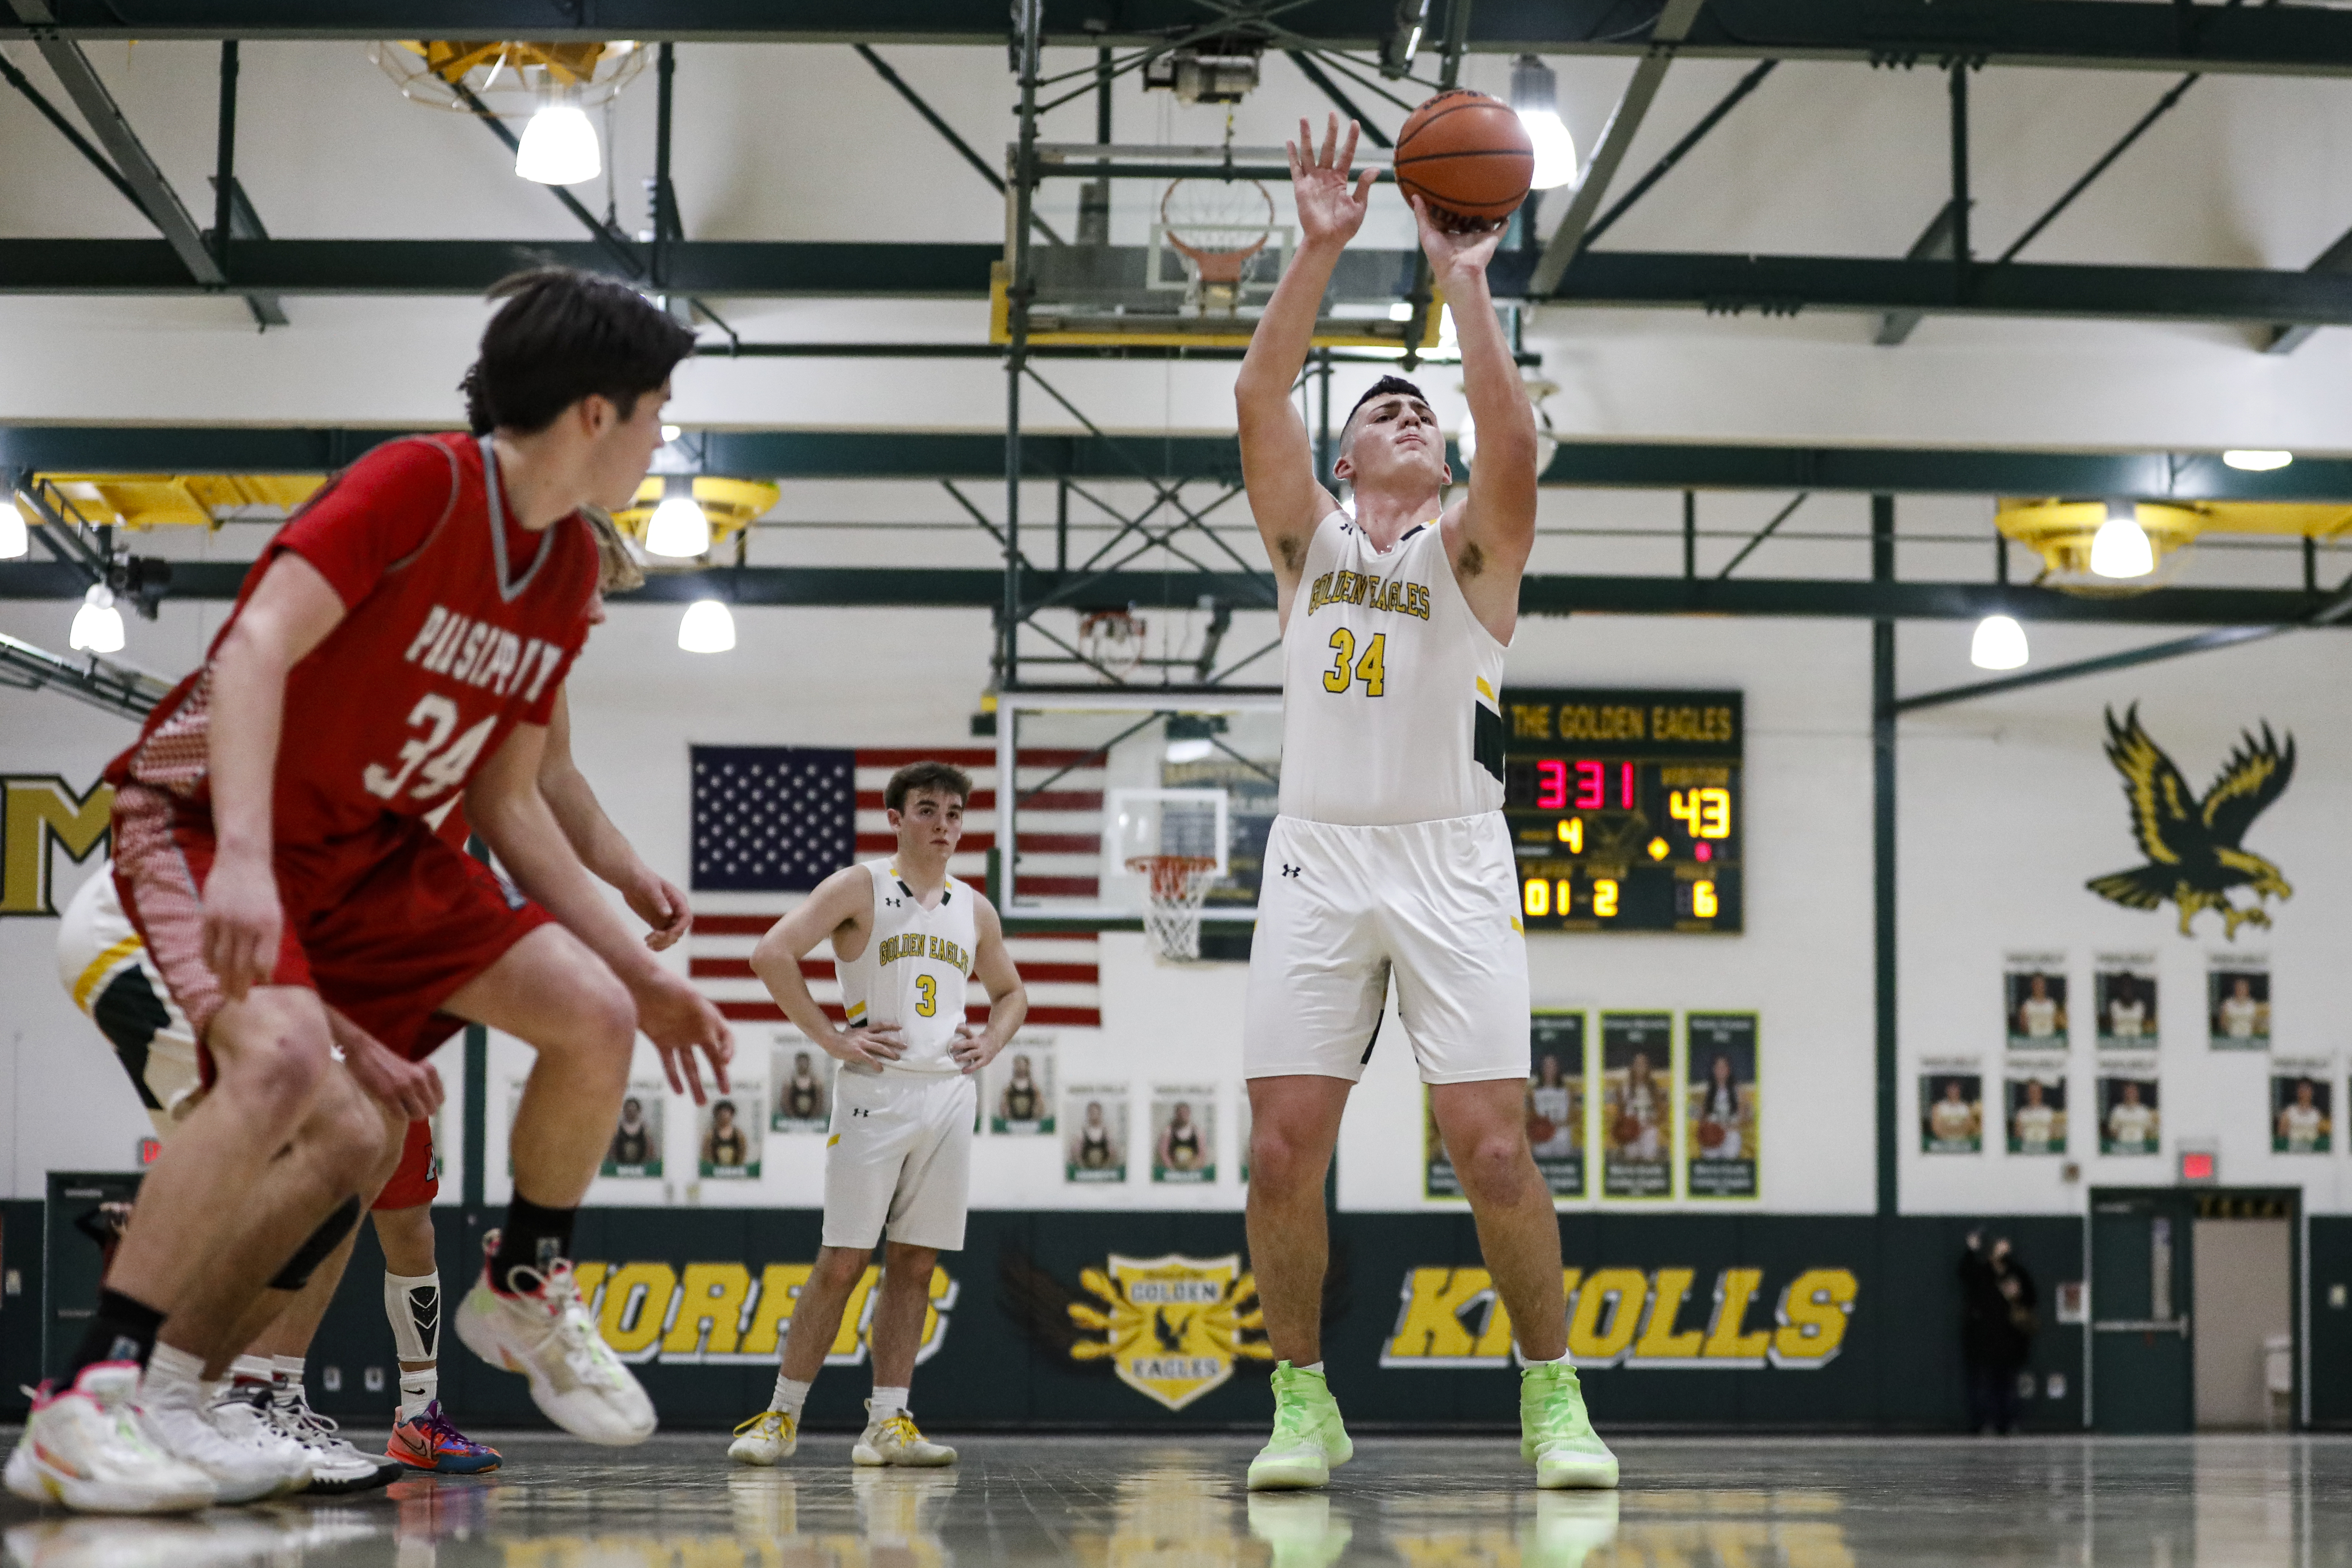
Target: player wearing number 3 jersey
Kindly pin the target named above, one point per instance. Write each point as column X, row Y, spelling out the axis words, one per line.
column 1390, row 857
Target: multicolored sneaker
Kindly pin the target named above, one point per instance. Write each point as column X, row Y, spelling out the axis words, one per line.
column 534, row 1323
column 1557, row 1435
column 1308, row 1438
column 83, row 1446
column 431, row 1443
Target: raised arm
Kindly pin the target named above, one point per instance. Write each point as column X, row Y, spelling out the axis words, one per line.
column 1008, row 996
column 601, row 846
column 842, row 909
column 1490, row 532
column 1278, row 461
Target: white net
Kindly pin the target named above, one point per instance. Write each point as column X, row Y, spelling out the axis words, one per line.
column 1172, row 908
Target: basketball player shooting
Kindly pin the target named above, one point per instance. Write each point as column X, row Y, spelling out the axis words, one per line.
column 1390, row 853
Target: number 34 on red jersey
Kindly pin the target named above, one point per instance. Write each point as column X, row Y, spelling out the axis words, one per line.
column 473, row 653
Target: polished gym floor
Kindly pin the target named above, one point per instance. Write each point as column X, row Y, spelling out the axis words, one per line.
column 1125, row 1502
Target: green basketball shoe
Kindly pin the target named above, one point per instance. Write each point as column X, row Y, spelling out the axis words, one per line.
column 1557, row 1435
column 1308, row 1438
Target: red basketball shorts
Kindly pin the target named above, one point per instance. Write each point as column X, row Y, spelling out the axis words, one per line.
column 385, row 931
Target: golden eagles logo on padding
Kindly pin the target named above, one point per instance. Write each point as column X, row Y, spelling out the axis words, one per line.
column 1171, row 1326
column 2192, row 843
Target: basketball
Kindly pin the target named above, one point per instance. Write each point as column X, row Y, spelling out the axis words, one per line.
column 1628, row 1129
column 1540, row 1130
column 1710, row 1135
column 1468, row 156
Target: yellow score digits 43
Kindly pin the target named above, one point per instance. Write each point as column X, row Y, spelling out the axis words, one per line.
column 1708, row 810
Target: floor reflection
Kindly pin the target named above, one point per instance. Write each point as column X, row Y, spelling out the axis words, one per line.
column 1128, row 1503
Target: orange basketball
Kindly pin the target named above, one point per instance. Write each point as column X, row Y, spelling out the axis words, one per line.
column 1627, row 1130
column 1710, row 1135
column 1540, row 1130
column 1468, row 156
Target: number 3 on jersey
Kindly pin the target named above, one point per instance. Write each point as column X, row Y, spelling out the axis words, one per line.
column 927, row 997
column 1371, row 669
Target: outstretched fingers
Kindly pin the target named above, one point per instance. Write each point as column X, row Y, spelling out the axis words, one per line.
column 1347, row 152
column 1330, row 139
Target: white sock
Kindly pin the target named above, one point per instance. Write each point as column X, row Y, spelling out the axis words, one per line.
column 1314, row 1366
column 287, row 1390
column 790, row 1396
column 172, row 1374
column 252, row 1369
column 417, row 1390
column 1560, row 1360
column 887, row 1402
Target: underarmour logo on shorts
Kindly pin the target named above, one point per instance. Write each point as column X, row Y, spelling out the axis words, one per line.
column 1292, row 870
column 860, row 1111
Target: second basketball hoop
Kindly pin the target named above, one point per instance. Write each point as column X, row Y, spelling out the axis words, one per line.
column 1223, row 236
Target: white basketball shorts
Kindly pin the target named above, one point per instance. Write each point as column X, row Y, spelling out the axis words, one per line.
column 106, row 971
column 1341, row 907
column 898, row 1158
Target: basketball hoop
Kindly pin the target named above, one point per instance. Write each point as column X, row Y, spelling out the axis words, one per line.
column 1171, row 909
column 1217, row 227
column 1112, row 641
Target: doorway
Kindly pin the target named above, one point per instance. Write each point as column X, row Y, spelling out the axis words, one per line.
column 2191, row 1294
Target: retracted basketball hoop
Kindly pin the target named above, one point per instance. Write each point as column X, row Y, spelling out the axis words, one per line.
column 1175, row 885
column 1217, row 227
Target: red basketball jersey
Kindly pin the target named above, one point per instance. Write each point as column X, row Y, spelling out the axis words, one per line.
column 458, row 625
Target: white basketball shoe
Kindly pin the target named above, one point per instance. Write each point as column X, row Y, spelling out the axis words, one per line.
column 177, row 1419
column 545, row 1332
column 83, row 1446
column 241, row 1413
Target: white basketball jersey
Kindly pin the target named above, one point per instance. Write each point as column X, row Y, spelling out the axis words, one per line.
column 911, row 978
column 1391, row 706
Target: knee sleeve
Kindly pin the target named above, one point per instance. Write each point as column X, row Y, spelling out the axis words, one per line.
column 412, row 1303
column 313, row 1251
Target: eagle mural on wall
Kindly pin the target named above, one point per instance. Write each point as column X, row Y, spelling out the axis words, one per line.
column 2192, row 843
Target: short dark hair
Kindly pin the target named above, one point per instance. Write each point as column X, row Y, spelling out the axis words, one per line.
column 916, row 776
column 1383, row 387
column 563, row 335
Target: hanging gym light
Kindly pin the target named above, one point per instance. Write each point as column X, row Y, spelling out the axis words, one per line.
column 1534, row 95
column 680, row 527
column 15, row 539
column 558, row 146
column 1998, row 644
column 98, row 625
column 706, row 627
column 2255, row 460
column 2120, row 548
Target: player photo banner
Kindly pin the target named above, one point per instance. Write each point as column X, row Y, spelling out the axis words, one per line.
column 2034, row 1107
column 803, row 1103
column 2033, row 996
column 636, row 1150
column 1017, row 1090
column 728, row 1134
column 2302, row 1105
column 1557, row 1092
column 1719, row 1091
column 1094, row 1134
column 2123, row 990
column 1951, row 1105
column 1184, row 1134
column 2129, row 1120
column 2237, row 1002
column 1636, row 1133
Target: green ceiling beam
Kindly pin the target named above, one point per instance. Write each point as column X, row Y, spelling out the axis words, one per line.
column 2140, row 34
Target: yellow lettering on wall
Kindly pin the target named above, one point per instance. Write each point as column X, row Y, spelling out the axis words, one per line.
column 1670, row 1289
column 1619, row 1292
column 1431, row 1329
column 586, row 1278
column 710, row 1301
column 1735, row 1289
column 780, row 1284
column 636, row 1304
column 1812, row 1314
column 40, row 810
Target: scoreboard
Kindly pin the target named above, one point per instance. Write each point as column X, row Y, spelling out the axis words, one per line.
column 1624, row 807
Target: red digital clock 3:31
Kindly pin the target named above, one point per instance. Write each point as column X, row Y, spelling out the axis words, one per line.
column 1624, row 807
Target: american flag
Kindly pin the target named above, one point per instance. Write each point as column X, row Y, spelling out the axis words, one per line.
column 770, row 822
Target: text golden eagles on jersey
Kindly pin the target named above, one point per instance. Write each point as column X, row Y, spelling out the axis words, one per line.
column 1373, row 592
column 918, row 945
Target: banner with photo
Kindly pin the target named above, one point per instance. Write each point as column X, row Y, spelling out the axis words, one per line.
column 2238, row 1001
column 2129, row 1119
column 2123, row 988
column 1094, row 1134
column 802, row 1103
column 1951, row 1105
column 726, row 1139
column 1637, row 1061
column 1184, row 1134
column 2034, row 1107
column 1017, row 1089
column 1555, row 1096
column 2033, row 999
column 2302, row 1105
column 1719, row 1092
column 636, row 1146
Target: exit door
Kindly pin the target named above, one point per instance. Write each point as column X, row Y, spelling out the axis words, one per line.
column 2141, row 1281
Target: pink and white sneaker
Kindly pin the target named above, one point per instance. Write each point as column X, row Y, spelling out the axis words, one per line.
column 83, row 1446
column 545, row 1332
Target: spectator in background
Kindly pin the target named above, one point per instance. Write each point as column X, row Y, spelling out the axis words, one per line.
column 1998, row 1320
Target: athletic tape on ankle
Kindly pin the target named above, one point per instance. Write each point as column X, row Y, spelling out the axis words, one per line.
column 412, row 1303
column 315, row 1249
